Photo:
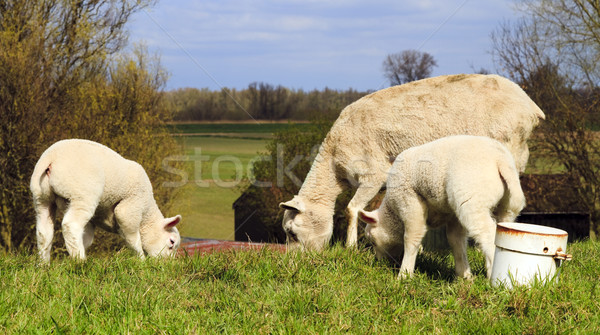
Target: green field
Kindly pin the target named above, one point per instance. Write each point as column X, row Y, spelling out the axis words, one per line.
column 214, row 167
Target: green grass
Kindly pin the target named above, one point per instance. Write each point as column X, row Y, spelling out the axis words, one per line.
column 249, row 292
column 205, row 202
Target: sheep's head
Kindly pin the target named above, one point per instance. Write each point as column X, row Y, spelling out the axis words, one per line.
column 307, row 225
column 164, row 240
column 387, row 242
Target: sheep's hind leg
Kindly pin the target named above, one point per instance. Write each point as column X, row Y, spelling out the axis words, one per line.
column 74, row 224
column 482, row 227
column 44, row 230
column 457, row 238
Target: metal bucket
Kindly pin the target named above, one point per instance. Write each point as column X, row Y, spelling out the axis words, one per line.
column 527, row 253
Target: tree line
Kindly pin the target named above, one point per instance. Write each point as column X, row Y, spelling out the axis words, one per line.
column 261, row 101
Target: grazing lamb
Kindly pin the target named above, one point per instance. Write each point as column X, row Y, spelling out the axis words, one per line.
column 92, row 186
column 359, row 149
column 457, row 181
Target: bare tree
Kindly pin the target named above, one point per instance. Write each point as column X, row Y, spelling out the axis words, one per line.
column 407, row 66
column 553, row 51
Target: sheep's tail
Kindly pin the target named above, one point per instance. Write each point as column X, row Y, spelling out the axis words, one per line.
column 40, row 184
column 513, row 200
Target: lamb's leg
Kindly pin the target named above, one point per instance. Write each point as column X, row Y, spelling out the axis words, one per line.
column 134, row 240
column 366, row 191
column 129, row 219
column 44, row 231
column 76, row 219
column 457, row 238
column 412, row 243
column 413, row 214
column 482, row 227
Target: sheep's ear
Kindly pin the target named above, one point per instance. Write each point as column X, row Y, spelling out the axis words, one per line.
column 295, row 204
column 371, row 218
column 171, row 222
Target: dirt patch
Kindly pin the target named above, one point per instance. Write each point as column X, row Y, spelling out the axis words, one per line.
column 210, row 246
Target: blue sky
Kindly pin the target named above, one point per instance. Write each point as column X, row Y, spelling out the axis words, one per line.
column 313, row 44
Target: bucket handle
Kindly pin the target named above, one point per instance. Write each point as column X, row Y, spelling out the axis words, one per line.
column 563, row 256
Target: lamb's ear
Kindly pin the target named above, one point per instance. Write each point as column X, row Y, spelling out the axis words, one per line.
column 171, row 222
column 295, row 204
column 371, row 218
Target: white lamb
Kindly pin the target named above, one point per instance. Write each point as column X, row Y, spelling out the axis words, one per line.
column 92, row 186
column 359, row 149
column 467, row 183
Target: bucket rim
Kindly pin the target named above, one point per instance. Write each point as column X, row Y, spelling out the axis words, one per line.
column 531, row 229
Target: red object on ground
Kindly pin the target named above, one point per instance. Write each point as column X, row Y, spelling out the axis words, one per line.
column 208, row 246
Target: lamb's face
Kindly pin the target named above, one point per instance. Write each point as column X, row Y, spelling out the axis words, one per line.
column 306, row 226
column 164, row 243
column 385, row 245
column 386, row 242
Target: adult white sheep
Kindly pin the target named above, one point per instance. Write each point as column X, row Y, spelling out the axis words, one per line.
column 467, row 183
column 359, row 149
column 92, row 186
